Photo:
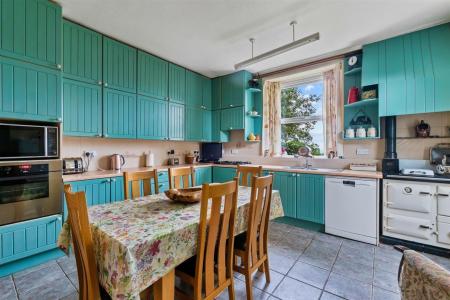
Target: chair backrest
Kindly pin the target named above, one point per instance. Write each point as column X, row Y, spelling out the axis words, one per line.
column 179, row 177
column 258, row 221
column 246, row 173
column 83, row 245
column 132, row 181
column 214, row 248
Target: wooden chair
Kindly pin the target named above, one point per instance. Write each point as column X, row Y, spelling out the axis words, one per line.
column 248, row 171
column 133, row 179
column 83, row 246
column 251, row 246
column 179, row 177
column 210, row 272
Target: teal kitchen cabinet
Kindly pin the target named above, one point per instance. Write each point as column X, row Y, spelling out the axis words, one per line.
column 31, row 30
column 119, row 66
column 82, row 108
column 217, row 135
column 223, row 174
column 82, row 53
column 216, row 94
column 194, row 123
column 206, row 126
column 234, row 89
column 206, row 93
column 285, row 183
column 176, row 121
column 29, row 92
column 119, row 114
column 152, row 118
column 153, row 76
column 370, row 64
column 203, row 175
column 177, row 84
column 28, row 238
column 194, row 89
column 232, row 118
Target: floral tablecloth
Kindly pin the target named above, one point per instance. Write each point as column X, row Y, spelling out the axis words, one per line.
column 138, row 241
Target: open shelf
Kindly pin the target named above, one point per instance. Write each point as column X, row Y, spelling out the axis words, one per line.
column 364, row 102
column 253, row 116
column 353, row 71
column 254, row 90
column 255, row 141
column 361, row 139
column 423, row 138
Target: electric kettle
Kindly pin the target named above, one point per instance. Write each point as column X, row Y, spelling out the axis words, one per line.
column 117, row 161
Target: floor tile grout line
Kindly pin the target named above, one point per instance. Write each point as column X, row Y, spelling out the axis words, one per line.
column 329, row 274
column 15, row 287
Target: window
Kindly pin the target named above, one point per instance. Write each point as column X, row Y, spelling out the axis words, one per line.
column 303, row 116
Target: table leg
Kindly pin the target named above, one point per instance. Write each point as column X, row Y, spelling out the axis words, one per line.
column 164, row 288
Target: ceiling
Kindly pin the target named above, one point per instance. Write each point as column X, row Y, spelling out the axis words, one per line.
column 210, row 36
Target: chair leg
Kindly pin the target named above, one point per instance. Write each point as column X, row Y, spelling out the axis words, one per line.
column 266, row 269
column 248, row 285
column 231, row 289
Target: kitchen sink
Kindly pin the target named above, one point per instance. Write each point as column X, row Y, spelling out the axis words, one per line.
column 325, row 170
column 302, row 168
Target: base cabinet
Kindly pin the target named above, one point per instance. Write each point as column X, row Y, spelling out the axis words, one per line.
column 223, row 174
column 203, row 175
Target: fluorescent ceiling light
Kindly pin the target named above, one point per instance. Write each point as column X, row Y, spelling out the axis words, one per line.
column 277, row 51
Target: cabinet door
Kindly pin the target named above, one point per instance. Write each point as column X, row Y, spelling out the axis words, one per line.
column 98, row 191
column 203, row 175
column 119, row 65
column 117, row 186
column 82, row 53
column 27, row 238
column 395, row 76
column 439, row 38
column 234, row 88
column 310, row 198
column 176, row 121
column 223, row 174
column 194, row 89
column 286, row 183
column 31, row 31
column 206, row 93
column 370, row 65
column 216, row 134
column 216, row 101
column 194, row 123
column 153, row 76
column 177, row 84
column 152, row 118
column 232, row 118
column 206, row 126
column 119, row 114
column 82, row 108
column 29, row 92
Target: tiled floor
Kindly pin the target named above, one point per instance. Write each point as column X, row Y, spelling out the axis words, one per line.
column 305, row 265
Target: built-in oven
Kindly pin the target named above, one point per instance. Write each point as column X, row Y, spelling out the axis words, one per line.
column 30, row 189
column 26, row 141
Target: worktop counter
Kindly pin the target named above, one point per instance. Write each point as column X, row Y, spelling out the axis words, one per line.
column 275, row 168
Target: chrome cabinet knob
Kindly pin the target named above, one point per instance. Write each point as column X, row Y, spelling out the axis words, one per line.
column 58, row 66
column 99, row 82
column 106, row 84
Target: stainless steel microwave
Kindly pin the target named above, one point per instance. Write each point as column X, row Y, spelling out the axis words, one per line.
column 19, row 141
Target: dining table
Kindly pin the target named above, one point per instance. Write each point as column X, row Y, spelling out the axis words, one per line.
column 139, row 242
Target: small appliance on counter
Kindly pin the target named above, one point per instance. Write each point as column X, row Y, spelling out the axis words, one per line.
column 149, row 159
column 210, row 152
column 423, row 129
column 117, row 161
column 172, row 160
column 73, row 165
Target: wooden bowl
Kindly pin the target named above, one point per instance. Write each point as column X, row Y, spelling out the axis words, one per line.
column 189, row 195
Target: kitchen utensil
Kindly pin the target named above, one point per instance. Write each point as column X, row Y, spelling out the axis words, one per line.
column 117, row 161
column 189, row 195
column 73, row 165
column 350, row 133
column 423, row 129
column 371, row 132
column 353, row 95
column 361, row 132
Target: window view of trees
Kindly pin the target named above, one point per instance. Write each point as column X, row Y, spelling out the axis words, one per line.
column 302, row 118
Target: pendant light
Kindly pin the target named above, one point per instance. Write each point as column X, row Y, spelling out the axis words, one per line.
column 285, row 48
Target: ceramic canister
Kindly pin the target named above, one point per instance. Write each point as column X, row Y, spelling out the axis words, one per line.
column 350, row 133
column 361, row 132
column 371, row 132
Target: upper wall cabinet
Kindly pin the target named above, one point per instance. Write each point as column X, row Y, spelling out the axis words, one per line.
column 29, row 92
column 194, row 89
column 176, row 121
column 206, row 93
column 177, row 84
column 234, row 89
column 153, row 76
column 119, row 114
column 82, row 53
column 216, row 100
column 119, row 66
column 411, row 71
column 152, row 118
column 31, row 31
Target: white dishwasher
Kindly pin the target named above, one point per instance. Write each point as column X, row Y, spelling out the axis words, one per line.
column 351, row 208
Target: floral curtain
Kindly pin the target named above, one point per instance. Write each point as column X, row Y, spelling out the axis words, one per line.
column 331, row 96
column 271, row 119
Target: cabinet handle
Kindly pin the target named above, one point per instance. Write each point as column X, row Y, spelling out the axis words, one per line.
column 99, row 82
column 231, row 128
column 106, row 84
column 58, row 66
column 231, row 105
column 113, row 180
column 442, row 195
column 160, row 185
column 424, row 193
column 98, row 135
column 105, row 135
column 424, row 227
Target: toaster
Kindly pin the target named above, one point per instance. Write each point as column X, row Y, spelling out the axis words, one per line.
column 73, row 165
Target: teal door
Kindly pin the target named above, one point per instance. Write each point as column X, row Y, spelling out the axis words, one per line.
column 98, row 191
column 117, row 186
column 194, row 89
column 194, row 123
column 286, row 183
column 82, row 108
column 216, row 101
column 203, row 175
column 31, row 31
column 395, row 76
column 176, row 121
column 206, row 126
column 216, row 134
column 153, row 76
column 232, row 118
column 29, row 92
column 152, row 118
column 234, row 89
column 310, row 200
column 177, row 84
column 370, row 64
column 119, row 114
column 82, row 53
column 206, row 93
column 223, row 174
column 119, row 66
column 28, row 238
